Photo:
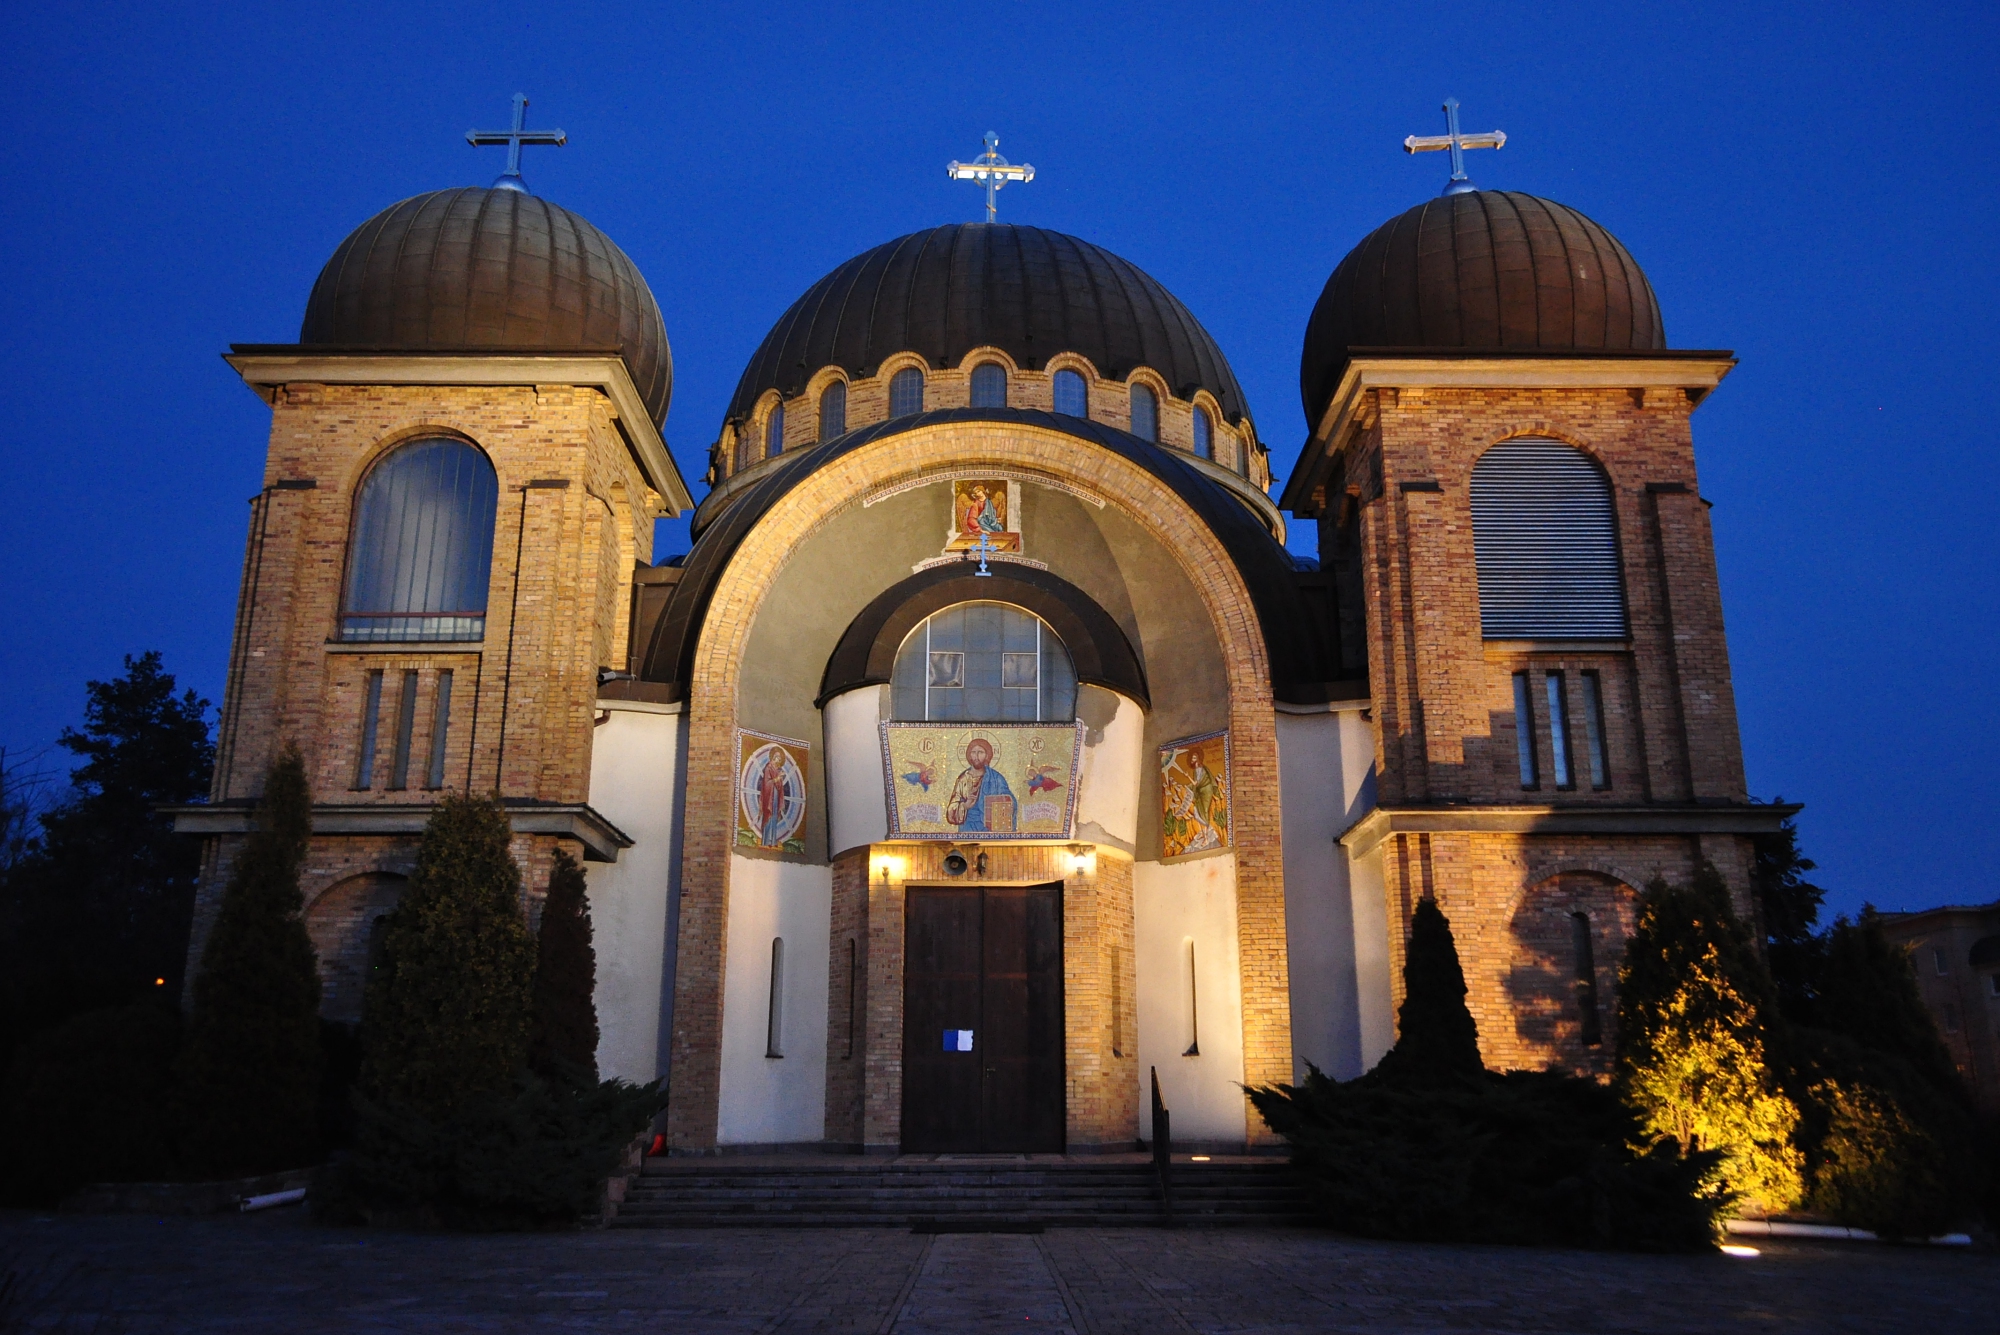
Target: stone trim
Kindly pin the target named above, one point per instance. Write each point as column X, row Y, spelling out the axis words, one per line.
column 580, row 821
column 1366, row 834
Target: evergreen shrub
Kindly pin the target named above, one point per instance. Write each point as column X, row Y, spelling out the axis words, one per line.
column 1430, row 1146
column 453, row 1124
column 248, row 1079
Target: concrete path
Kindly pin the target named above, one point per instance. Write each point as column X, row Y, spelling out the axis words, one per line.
column 275, row 1272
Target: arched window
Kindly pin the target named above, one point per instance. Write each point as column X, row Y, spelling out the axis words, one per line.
column 422, row 550
column 1204, row 438
column 1145, row 413
column 989, row 385
column 833, row 410
column 906, row 392
column 984, row 663
column 1072, row 394
column 1546, row 545
column 774, row 431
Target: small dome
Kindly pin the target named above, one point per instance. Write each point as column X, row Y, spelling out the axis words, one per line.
column 1488, row 269
column 1029, row 292
column 496, row 270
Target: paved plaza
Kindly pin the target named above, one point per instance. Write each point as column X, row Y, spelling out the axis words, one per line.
column 278, row 1272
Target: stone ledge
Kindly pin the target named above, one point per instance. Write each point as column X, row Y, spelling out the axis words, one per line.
column 601, row 839
column 1364, row 835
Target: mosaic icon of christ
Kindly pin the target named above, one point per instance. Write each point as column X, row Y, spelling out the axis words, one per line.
column 981, row 800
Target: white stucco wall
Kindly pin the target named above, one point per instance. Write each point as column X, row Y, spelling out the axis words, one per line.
column 636, row 763
column 1376, row 1014
column 775, row 1100
column 857, row 813
column 1326, row 766
column 1107, row 781
column 1173, row 903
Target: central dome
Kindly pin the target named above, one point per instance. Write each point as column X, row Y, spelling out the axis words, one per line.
column 1028, row 292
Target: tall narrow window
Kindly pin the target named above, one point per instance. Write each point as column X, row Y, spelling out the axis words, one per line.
column 1117, row 1006
column 1204, row 439
column 1193, row 1011
column 422, row 550
column 1593, row 729
column 1243, row 456
column 440, row 730
column 906, row 392
column 1586, row 978
column 1559, row 729
column 371, row 720
column 989, row 385
column 1937, row 962
column 1545, row 545
column 774, row 1026
column 1524, row 730
column 1145, row 413
column 406, row 726
column 853, row 990
column 774, row 432
column 833, row 410
column 1072, row 394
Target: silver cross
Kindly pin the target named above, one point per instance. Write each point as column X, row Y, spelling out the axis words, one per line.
column 1460, row 183
column 990, row 170
column 514, row 138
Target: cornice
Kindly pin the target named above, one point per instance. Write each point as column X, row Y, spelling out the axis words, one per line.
column 1365, row 834
column 601, row 839
column 267, row 366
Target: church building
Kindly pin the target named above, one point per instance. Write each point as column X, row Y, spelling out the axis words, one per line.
column 989, row 752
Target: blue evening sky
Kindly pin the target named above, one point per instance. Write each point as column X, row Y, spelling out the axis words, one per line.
column 1808, row 184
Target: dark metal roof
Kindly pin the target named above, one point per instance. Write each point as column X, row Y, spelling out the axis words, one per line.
column 1489, row 269
column 1029, row 292
column 1301, row 636
column 490, row 269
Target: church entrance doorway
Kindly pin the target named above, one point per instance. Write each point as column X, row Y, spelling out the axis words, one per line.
column 983, row 1020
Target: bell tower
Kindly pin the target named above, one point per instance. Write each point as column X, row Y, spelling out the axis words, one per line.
column 1502, row 469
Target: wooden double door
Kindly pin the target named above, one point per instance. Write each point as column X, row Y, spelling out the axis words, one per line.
column 983, row 1019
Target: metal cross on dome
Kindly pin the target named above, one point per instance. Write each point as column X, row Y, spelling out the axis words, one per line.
column 514, row 138
column 990, row 170
column 1460, row 183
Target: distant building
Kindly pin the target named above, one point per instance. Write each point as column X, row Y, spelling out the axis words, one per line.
column 1957, row 953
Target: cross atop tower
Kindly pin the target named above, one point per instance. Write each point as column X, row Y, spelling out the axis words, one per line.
column 990, row 170
column 514, row 138
column 1460, row 183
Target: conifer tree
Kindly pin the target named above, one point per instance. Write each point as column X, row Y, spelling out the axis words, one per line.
column 1694, row 1010
column 446, row 1017
column 565, row 1038
column 1868, row 991
column 1437, row 1038
column 248, row 1076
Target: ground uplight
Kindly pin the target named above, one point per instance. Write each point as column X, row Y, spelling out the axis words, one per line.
column 1737, row 1249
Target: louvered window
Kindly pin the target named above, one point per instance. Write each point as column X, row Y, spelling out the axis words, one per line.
column 423, row 546
column 1546, row 545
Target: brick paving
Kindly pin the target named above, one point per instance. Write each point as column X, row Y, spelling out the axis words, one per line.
column 278, row 1272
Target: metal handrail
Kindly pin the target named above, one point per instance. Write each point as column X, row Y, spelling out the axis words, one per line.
column 1163, row 1149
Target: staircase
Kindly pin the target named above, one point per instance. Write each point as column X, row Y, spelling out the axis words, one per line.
column 955, row 1193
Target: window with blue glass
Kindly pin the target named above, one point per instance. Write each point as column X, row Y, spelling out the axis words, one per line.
column 1204, row 436
column 422, row 550
column 1145, row 413
column 774, row 432
column 983, row 663
column 906, row 392
column 1072, row 394
column 833, row 410
column 989, row 385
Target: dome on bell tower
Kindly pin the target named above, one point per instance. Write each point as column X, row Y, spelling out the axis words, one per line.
column 495, row 270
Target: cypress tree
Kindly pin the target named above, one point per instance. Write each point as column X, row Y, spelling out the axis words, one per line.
column 249, row 1073
column 446, row 1017
column 1437, row 1039
column 1695, row 1015
column 564, row 1048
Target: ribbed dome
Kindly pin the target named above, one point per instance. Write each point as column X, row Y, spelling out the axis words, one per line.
column 490, row 269
column 1485, row 269
column 1029, row 292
